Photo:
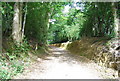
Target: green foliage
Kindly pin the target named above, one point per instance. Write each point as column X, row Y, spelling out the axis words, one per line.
column 90, row 19
column 7, row 17
column 99, row 19
column 18, row 51
column 9, row 70
column 12, row 62
column 22, row 48
column 72, row 32
column 85, row 19
column 37, row 21
column 67, row 26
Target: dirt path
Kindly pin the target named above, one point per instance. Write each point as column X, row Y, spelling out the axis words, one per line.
column 61, row 64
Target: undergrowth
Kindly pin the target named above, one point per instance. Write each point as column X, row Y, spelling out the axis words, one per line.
column 13, row 61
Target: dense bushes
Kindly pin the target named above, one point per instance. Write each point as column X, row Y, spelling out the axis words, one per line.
column 12, row 59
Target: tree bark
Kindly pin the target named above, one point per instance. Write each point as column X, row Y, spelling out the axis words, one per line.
column 23, row 28
column 116, row 21
column 17, row 23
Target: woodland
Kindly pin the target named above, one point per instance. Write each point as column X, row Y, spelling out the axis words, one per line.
column 31, row 27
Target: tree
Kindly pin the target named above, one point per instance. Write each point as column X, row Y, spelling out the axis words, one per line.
column 17, row 23
column 24, row 20
column 99, row 19
column 116, row 19
column 37, row 22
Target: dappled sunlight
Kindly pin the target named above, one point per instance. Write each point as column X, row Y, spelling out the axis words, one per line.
column 57, row 53
column 61, row 64
column 60, row 40
column 68, row 66
column 66, row 71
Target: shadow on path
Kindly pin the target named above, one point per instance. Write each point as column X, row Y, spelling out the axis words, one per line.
column 61, row 64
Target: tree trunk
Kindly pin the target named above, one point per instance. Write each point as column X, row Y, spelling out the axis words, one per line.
column 17, row 23
column 20, row 21
column 24, row 21
column 100, row 26
column 116, row 21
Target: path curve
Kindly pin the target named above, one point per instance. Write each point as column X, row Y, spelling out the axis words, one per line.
column 61, row 64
